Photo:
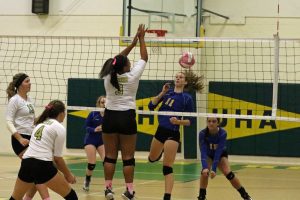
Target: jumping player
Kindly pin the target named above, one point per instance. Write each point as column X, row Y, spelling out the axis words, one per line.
column 167, row 136
column 119, row 123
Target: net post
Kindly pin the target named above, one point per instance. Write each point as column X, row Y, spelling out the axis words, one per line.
column 275, row 75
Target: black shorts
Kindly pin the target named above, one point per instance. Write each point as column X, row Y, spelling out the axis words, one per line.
column 163, row 134
column 17, row 146
column 36, row 171
column 224, row 154
column 121, row 122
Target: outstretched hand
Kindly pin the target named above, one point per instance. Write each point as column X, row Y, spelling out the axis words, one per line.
column 142, row 31
column 140, row 34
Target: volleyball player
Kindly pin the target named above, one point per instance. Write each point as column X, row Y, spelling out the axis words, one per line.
column 93, row 142
column 167, row 136
column 20, row 116
column 119, row 124
column 46, row 146
column 212, row 142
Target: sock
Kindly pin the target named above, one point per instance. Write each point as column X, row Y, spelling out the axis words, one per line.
column 88, row 178
column 27, row 197
column 202, row 192
column 129, row 187
column 167, row 196
column 243, row 192
column 108, row 184
column 48, row 198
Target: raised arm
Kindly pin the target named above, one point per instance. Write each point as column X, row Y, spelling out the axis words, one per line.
column 127, row 50
column 155, row 100
column 143, row 49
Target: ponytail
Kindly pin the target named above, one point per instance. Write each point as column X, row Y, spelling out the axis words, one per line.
column 52, row 110
column 10, row 91
column 114, row 66
column 194, row 82
column 114, row 80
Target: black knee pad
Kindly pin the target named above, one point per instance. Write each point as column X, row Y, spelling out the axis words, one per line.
column 230, row 176
column 109, row 160
column 91, row 166
column 167, row 170
column 71, row 196
column 130, row 162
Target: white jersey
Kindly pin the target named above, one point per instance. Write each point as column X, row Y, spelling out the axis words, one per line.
column 20, row 115
column 129, row 82
column 47, row 140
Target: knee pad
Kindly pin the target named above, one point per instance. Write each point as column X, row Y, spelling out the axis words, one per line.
column 167, row 170
column 71, row 196
column 130, row 162
column 230, row 176
column 109, row 160
column 91, row 166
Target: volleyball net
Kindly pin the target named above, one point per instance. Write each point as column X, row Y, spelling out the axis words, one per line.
column 243, row 78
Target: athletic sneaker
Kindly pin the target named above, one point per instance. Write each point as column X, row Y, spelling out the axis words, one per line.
column 109, row 194
column 201, row 198
column 248, row 198
column 127, row 196
column 86, row 185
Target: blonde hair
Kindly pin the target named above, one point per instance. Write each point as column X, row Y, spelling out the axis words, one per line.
column 99, row 100
column 194, row 82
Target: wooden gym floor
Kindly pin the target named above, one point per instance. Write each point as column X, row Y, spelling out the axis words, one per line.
column 277, row 181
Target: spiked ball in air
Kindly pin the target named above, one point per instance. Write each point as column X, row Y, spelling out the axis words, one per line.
column 187, row 60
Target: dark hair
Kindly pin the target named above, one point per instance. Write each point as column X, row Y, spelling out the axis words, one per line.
column 52, row 110
column 113, row 66
column 194, row 82
column 218, row 119
column 13, row 86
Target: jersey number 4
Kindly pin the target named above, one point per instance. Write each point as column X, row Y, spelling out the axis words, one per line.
column 39, row 133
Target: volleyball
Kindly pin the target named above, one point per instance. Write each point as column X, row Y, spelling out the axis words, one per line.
column 187, row 60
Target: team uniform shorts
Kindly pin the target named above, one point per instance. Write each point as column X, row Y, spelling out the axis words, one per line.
column 121, row 122
column 36, row 171
column 224, row 154
column 17, row 146
column 93, row 139
column 163, row 134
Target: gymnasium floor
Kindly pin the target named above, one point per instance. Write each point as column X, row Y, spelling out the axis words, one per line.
column 278, row 179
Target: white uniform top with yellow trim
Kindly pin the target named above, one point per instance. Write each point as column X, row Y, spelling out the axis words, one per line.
column 20, row 115
column 47, row 140
column 129, row 82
